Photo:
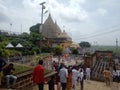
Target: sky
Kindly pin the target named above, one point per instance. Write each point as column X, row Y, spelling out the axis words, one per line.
column 94, row 21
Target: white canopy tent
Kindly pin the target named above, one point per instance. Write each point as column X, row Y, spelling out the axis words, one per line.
column 9, row 45
column 19, row 45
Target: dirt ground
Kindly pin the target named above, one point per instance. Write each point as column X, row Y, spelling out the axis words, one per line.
column 91, row 85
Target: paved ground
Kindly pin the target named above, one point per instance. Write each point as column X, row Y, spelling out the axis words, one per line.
column 93, row 85
column 88, row 85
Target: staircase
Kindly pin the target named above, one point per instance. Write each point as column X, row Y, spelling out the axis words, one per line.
column 97, row 70
column 24, row 80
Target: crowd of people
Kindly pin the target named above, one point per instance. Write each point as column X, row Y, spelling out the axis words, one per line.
column 66, row 77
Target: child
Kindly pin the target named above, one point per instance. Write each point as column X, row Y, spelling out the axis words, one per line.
column 51, row 83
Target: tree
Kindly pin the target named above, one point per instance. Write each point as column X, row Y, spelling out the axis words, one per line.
column 75, row 51
column 84, row 44
column 3, row 38
column 58, row 50
column 35, row 28
column 34, row 37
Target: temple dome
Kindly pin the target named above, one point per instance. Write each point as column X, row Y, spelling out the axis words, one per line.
column 65, row 35
column 50, row 29
column 57, row 28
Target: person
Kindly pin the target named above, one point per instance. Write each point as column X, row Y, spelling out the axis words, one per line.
column 63, row 73
column 88, row 70
column 38, row 75
column 81, row 76
column 8, row 74
column 118, row 76
column 115, row 75
column 58, row 77
column 2, row 65
column 69, row 80
column 51, row 83
column 75, row 74
column 107, row 75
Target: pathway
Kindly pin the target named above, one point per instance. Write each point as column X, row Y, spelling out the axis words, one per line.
column 92, row 85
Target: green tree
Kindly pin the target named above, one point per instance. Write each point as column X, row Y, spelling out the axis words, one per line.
column 3, row 50
column 3, row 38
column 34, row 37
column 35, row 28
column 75, row 51
column 58, row 50
column 84, row 44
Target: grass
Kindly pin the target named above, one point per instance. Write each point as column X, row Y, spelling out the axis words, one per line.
column 108, row 48
column 47, row 71
column 19, row 68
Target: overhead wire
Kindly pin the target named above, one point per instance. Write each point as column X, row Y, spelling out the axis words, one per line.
column 103, row 30
column 99, row 34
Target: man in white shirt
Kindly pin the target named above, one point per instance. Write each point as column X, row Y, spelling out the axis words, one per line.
column 81, row 76
column 63, row 76
column 88, row 70
column 75, row 74
column 115, row 75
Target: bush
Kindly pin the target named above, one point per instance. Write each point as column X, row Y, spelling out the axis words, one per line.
column 74, row 51
column 46, row 49
column 58, row 50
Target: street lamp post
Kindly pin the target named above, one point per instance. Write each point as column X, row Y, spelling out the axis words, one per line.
column 10, row 27
column 41, row 25
column 43, row 7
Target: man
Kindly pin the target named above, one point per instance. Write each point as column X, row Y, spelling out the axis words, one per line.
column 38, row 75
column 51, row 83
column 75, row 74
column 115, row 75
column 8, row 74
column 2, row 64
column 81, row 76
column 107, row 76
column 88, row 70
column 63, row 76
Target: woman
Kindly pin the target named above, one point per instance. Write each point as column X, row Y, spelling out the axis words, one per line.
column 69, row 80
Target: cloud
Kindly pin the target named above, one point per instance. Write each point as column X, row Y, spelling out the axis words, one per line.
column 71, row 12
column 3, row 13
column 3, row 18
column 101, row 11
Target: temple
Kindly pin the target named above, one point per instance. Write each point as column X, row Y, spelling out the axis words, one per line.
column 52, row 32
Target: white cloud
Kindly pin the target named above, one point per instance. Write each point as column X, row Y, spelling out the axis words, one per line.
column 71, row 12
column 2, row 7
column 101, row 11
column 3, row 12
